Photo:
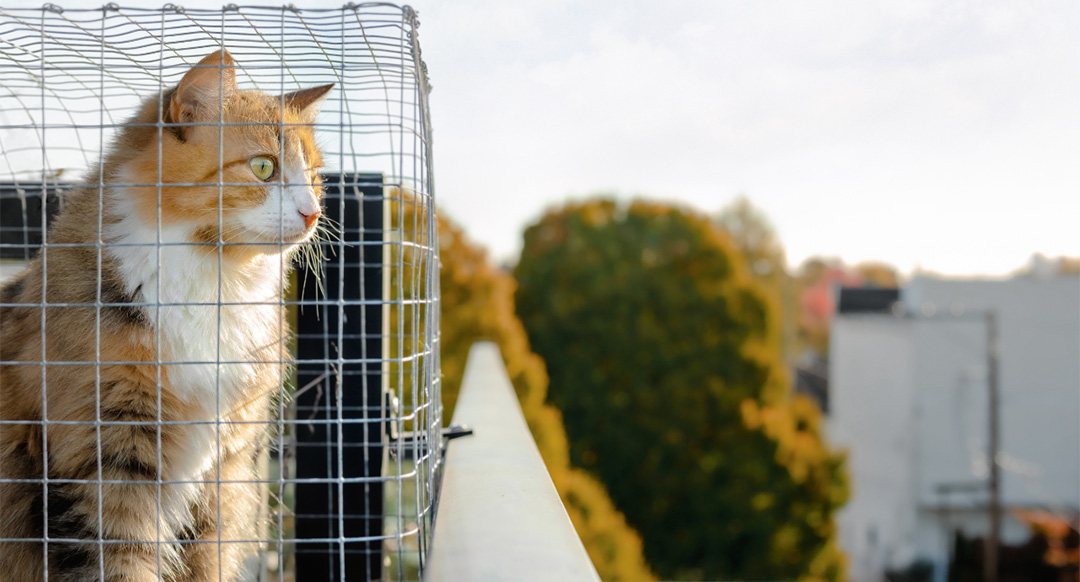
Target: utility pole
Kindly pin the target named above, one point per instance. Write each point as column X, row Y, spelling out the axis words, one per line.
column 992, row 541
column 993, row 537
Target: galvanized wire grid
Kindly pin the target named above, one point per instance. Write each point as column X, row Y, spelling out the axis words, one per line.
column 69, row 81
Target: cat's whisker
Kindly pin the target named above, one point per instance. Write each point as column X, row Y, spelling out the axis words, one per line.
column 311, row 258
column 331, row 232
column 330, row 223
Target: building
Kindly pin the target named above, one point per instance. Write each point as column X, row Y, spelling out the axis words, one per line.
column 908, row 400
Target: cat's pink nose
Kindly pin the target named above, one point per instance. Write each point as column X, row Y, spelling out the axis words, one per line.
column 309, row 219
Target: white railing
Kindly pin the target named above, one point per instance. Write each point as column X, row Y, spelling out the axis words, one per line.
column 498, row 515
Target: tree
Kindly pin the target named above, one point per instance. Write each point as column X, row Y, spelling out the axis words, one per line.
column 876, row 274
column 764, row 255
column 755, row 238
column 665, row 364
column 815, row 287
column 477, row 304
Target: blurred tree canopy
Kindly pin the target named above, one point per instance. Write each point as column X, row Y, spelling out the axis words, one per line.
column 664, row 360
column 878, row 275
column 755, row 238
column 477, row 304
column 757, row 242
column 815, row 287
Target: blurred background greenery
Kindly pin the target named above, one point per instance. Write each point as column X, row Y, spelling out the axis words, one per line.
column 647, row 343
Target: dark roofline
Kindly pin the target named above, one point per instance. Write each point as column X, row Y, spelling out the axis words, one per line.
column 867, row 299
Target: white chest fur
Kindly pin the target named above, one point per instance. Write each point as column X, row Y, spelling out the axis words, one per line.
column 213, row 320
column 212, row 317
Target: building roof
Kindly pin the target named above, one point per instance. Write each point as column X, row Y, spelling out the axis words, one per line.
column 867, row 299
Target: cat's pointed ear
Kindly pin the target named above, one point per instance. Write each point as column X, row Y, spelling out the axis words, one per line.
column 203, row 88
column 308, row 101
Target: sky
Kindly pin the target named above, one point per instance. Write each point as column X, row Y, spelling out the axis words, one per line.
column 927, row 134
column 930, row 135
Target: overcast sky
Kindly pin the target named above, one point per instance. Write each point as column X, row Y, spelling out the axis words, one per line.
column 936, row 134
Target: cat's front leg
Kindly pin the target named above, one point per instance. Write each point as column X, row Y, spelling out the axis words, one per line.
column 123, row 537
column 107, row 506
column 226, row 529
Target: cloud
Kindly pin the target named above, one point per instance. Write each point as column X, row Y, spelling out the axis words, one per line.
column 895, row 109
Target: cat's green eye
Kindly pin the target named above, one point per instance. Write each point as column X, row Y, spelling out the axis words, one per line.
column 262, row 167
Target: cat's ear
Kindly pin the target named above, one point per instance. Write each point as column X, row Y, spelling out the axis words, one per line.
column 203, row 88
column 308, row 101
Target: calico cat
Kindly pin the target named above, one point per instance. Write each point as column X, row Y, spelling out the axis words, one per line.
column 158, row 351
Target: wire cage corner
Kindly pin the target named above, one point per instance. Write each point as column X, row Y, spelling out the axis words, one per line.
column 131, row 319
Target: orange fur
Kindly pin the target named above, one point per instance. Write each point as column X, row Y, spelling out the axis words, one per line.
column 122, row 423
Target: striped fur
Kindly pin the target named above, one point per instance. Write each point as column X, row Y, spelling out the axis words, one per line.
column 156, row 364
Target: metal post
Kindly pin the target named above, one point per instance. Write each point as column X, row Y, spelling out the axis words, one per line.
column 21, row 231
column 992, row 541
column 993, row 537
column 340, row 418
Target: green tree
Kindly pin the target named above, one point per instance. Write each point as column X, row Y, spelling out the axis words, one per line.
column 756, row 239
column 760, row 247
column 477, row 304
column 664, row 361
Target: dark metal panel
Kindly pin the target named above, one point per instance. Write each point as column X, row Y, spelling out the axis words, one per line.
column 340, row 417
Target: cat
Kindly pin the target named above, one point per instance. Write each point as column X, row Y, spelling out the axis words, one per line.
column 159, row 351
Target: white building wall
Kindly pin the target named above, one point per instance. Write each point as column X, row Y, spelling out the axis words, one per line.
column 909, row 397
column 951, row 408
column 871, row 416
column 1039, row 329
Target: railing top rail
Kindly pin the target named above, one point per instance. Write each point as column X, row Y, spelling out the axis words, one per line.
column 499, row 516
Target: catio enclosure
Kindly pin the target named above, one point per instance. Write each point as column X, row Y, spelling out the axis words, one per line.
column 346, row 475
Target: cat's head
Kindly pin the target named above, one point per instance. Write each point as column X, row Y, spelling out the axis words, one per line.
column 236, row 167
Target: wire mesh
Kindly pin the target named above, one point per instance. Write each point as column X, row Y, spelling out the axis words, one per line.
column 219, row 305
